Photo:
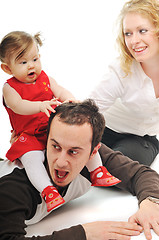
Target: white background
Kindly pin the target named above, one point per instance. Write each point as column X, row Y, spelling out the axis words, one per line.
column 79, row 42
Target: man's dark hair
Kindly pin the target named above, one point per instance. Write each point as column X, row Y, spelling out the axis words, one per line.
column 80, row 113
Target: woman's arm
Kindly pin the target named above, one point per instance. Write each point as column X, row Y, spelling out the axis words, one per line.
column 109, row 88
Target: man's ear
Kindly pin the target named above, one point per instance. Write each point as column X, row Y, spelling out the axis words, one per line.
column 6, row 68
column 95, row 150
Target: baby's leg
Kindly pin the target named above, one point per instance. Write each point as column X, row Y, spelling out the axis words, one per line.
column 37, row 174
column 94, row 163
column 99, row 174
column 35, row 169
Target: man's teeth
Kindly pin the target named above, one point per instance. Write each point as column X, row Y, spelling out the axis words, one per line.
column 59, row 176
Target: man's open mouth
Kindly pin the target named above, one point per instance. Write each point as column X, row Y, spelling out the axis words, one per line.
column 61, row 175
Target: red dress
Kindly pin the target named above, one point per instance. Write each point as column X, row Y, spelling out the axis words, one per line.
column 31, row 129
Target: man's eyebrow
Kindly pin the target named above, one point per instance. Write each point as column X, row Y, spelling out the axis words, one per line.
column 53, row 140
column 77, row 148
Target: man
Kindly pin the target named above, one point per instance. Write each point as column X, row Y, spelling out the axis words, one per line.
column 74, row 134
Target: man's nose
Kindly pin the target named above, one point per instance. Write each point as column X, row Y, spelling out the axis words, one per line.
column 62, row 160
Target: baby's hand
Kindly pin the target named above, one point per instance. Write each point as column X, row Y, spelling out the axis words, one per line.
column 46, row 106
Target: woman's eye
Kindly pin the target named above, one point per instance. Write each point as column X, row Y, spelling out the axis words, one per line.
column 143, row 31
column 127, row 34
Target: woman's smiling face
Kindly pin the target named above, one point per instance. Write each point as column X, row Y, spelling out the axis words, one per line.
column 140, row 37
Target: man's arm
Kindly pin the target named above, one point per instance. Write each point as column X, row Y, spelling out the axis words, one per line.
column 139, row 180
column 18, row 202
column 148, row 217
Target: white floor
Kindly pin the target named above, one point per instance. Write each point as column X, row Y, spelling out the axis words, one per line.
column 98, row 204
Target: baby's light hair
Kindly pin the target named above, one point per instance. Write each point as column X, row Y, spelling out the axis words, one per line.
column 17, row 42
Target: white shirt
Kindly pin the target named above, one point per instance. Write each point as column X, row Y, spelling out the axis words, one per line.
column 128, row 103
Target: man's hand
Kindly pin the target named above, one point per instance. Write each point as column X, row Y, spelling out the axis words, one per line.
column 147, row 217
column 104, row 230
column 13, row 137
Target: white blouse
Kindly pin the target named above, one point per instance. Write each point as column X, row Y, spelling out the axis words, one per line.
column 128, row 103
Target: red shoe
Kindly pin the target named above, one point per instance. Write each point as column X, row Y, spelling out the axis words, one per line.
column 52, row 198
column 101, row 177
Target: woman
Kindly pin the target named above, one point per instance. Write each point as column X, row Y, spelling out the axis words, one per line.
column 128, row 95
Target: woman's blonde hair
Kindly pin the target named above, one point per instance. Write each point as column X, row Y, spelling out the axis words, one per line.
column 17, row 41
column 148, row 9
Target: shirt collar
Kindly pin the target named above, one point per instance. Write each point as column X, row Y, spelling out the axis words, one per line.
column 136, row 66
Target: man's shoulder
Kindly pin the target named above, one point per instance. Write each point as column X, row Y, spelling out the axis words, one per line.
column 13, row 177
column 105, row 150
column 7, row 167
column 107, row 153
column 16, row 191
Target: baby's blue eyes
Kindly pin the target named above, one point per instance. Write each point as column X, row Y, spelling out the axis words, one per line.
column 25, row 62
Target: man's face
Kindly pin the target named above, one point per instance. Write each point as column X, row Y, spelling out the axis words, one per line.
column 68, row 150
